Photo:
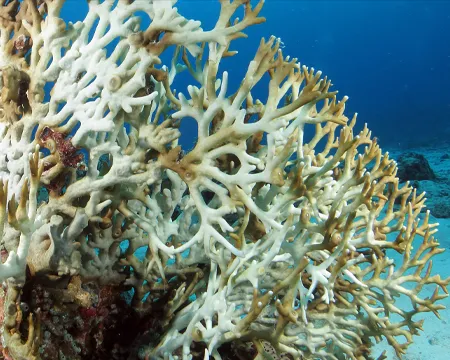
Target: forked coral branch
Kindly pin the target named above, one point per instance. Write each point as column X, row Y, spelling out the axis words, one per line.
column 255, row 240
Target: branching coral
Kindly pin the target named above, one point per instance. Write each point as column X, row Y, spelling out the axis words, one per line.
column 259, row 241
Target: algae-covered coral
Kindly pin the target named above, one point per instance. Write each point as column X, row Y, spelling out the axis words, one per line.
column 259, row 242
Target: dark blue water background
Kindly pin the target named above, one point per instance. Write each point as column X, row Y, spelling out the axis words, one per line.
column 392, row 58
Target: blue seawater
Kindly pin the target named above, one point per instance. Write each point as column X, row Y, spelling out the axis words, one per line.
column 392, row 58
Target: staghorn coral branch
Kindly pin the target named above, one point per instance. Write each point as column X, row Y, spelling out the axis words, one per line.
column 254, row 239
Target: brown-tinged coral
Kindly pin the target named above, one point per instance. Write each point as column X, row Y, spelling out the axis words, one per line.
column 257, row 241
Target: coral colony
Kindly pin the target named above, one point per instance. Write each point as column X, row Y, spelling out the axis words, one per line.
column 259, row 242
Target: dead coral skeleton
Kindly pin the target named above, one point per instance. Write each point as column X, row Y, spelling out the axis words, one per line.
column 257, row 236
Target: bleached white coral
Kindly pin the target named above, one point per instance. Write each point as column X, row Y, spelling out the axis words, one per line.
column 257, row 236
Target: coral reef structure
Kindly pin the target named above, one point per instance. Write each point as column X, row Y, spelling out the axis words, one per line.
column 259, row 242
column 414, row 166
